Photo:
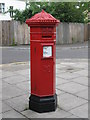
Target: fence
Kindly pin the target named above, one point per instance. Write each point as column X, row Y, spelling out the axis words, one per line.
column 12, row 32
column 72, row 33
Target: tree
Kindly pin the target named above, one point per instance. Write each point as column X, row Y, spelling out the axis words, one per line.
column 64, row 11
column 21, row 15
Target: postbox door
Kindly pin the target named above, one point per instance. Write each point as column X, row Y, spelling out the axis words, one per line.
column 47, row 68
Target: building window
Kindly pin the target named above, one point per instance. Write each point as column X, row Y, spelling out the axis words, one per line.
column 11, row 11
column 2, row 7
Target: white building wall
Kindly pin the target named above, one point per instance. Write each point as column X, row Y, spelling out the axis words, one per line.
column 16, row 5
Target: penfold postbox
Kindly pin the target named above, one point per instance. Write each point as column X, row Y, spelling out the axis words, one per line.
column 43, row 59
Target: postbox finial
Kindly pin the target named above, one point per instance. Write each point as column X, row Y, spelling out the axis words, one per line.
column 42, row 18
column 43, row 11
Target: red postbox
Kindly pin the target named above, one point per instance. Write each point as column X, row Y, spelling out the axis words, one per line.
column 43, row 59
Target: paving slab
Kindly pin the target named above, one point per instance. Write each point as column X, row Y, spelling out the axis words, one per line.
column 81, row 65
column 81, row 111
column 60, row 71
column 12, row 114
column 60, row 81
column 59, row 92
column 83, row 72
column 68, row 68
column 15, row 79
column 71, row 87
column 6, row 74
column 81, row 80
column 11, row 91
column 19, row 103
column 68, row 63
column 67, row 101
column 24, row 86
column 5, row 107
column 83, row 94
column 68, row 75
column 15, row 66
column 60, row 67
column 4, row 84
column 24, row 72
column 56, row 114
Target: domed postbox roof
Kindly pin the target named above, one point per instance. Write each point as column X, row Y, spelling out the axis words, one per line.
column 42, row 18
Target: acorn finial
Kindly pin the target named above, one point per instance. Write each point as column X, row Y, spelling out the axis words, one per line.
column 43, row 10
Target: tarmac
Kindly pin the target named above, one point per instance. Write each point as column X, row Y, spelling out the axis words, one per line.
column 71, row 88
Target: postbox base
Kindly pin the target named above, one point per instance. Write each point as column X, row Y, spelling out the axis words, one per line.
column 43, row 104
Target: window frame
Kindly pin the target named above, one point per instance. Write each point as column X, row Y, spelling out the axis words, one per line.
column 11, row 12
column 2, row 7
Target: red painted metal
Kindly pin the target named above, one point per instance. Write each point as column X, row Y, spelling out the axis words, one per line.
column 42, row 33
column 42, row 18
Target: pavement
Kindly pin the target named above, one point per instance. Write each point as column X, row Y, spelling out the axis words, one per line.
column 71, row 88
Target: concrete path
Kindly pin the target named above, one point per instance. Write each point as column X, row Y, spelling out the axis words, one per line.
column 71, row 88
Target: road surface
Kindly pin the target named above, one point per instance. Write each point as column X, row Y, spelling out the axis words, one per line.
column 22, row 53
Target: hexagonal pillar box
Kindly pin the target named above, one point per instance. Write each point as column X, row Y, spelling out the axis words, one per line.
column 43, row 59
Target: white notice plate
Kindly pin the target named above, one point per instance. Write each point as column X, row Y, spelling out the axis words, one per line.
column 47, row 51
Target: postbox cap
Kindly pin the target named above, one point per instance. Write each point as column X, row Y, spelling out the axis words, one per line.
column 42, row 18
